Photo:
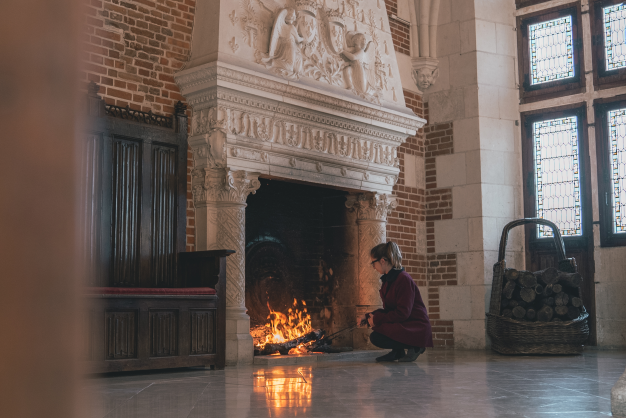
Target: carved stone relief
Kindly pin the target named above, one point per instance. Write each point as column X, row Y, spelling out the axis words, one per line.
column 320, row 138
column 312, row 40
column 190, row 79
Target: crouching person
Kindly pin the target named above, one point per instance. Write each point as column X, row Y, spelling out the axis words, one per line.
column 403, row 322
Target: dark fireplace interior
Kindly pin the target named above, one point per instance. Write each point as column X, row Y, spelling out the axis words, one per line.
column 300, row 243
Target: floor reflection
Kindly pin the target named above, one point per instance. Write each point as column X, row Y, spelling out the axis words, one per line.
column 284, row 389
column 440, row 384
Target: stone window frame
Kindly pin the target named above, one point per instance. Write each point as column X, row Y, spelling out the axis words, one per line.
column 578, row 109
column 519, row 4
column 602, row 106
column 557, row 88
column 602, row 79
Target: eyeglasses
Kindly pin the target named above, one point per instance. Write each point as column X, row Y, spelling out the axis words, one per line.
column 375, row 261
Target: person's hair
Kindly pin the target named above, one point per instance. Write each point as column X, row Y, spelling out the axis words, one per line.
column 389, row 252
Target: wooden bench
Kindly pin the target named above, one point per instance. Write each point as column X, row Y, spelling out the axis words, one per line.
column 157, row 328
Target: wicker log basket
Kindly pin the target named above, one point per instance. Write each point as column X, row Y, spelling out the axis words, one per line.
column 512, row 336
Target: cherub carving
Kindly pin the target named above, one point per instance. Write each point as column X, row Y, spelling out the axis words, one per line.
column 354, row 52
column 284, row 56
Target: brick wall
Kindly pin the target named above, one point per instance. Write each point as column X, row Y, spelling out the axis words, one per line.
column 441, row 270
column 400, row 31
column 401, row 224
column 429, row 270
column 132, row 50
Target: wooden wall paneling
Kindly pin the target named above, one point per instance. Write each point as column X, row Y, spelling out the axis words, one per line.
column 163, row 332
column 90, row 194
column 121, row 334
column 202, row 335
column 106, row 231
column 145, row 236
column 164, row 215
column 126, row 181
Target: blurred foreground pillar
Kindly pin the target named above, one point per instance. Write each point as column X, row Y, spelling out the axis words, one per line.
column 38, row 207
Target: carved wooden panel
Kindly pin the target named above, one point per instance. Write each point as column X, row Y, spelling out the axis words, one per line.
column 121, row 334
column 88, row 331
column 202, row 331
column 164, row 194
column 163, row 333
column 91, row 196
column 125, row 214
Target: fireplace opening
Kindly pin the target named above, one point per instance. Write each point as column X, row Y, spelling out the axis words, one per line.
column 301, row 255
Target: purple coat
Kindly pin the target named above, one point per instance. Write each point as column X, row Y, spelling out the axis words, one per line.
column 404, row 317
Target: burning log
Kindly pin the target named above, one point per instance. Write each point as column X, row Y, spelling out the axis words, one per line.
column 283, row 348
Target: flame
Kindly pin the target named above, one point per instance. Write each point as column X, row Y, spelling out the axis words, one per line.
column 283, row 327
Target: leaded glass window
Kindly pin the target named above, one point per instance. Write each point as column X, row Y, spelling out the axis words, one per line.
column 614, row 36
column 617, row 137
column 551, row 50
column 557, row 175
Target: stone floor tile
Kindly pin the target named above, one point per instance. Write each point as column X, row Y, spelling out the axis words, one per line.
column 440, row 384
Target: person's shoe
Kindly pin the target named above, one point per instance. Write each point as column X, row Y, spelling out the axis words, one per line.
column 393, row 355
column 412, row 354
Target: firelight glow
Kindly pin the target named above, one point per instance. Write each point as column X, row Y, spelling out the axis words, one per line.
column 288, row 327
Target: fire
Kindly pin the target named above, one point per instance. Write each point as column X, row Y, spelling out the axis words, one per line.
column 283, row 327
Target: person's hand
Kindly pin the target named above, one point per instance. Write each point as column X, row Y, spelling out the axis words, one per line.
column 360, row 321
column 370, row 320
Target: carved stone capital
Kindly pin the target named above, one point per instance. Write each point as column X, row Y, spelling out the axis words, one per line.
column 371, row 206
column 425, row 72
column 223, row 185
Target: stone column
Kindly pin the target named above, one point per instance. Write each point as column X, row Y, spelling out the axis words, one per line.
column 372, row 210
column 219, row 196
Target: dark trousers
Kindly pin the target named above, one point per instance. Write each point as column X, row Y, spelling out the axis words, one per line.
column 382, row 341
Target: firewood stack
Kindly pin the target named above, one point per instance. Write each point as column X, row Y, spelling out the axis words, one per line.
column 546, row 295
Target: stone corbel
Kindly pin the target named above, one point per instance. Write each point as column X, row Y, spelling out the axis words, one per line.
column 222, row 185
column 425, row 72
column 371, row 206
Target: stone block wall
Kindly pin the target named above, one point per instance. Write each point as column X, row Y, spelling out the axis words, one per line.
column 472, row 162
column 132, row 50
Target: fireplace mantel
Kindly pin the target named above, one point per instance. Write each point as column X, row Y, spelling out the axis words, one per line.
column 246, row 120
column 306, row 91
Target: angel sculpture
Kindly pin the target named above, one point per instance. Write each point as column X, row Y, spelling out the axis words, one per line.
column 354, row 52
column 284, row 56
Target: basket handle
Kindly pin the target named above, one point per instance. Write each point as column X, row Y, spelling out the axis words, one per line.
column 558, row 240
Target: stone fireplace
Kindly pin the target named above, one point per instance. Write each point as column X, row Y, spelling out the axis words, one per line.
column 307, row 94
